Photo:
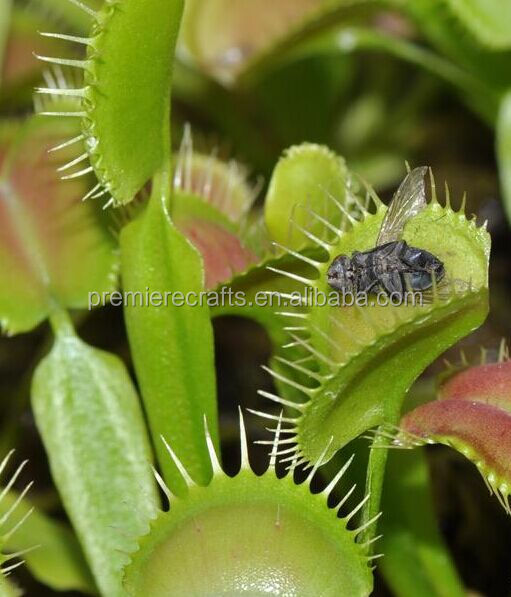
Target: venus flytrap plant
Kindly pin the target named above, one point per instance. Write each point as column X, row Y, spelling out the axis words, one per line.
column 43, row 235
column 300, row 183
column 210, row 204
column 53, row 251
column 58, row 562
column 345, row 370
column 304, row 176
column 28, row 537
column 258, row 534
column 471, row 415
column 115, row 127
column 128, row 140
column 124, row 133
column 368, row 356
column 241, row 257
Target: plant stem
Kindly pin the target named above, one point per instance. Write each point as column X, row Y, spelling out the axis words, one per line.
column 61, row 322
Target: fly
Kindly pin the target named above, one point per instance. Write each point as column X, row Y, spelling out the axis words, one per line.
column 392, row 266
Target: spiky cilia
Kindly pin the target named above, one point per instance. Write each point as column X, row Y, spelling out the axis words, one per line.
column 254, row 532
column 126, row 135
column 9, row 561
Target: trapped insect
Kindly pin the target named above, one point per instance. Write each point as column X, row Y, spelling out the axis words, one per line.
column 392, row 266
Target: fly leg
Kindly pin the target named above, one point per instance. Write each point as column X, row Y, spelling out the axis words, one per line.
column 366, row 281
column 392, row 283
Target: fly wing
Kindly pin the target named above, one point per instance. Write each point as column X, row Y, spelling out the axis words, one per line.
column 408, row 201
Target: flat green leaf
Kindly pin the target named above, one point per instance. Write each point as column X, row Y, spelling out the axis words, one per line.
column 58, row 562
column 416, row 560
column 92, row 427
column 54, row 249
column 172, row 346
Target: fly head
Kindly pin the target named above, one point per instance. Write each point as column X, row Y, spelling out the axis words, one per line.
column 341, row 274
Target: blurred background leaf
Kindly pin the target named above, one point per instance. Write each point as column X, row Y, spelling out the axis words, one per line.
column 54, row 248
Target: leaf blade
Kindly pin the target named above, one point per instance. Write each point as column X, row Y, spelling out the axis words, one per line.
column 91, row 424
column 172, row 346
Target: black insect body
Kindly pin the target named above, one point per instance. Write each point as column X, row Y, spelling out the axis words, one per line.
column 392, row 266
